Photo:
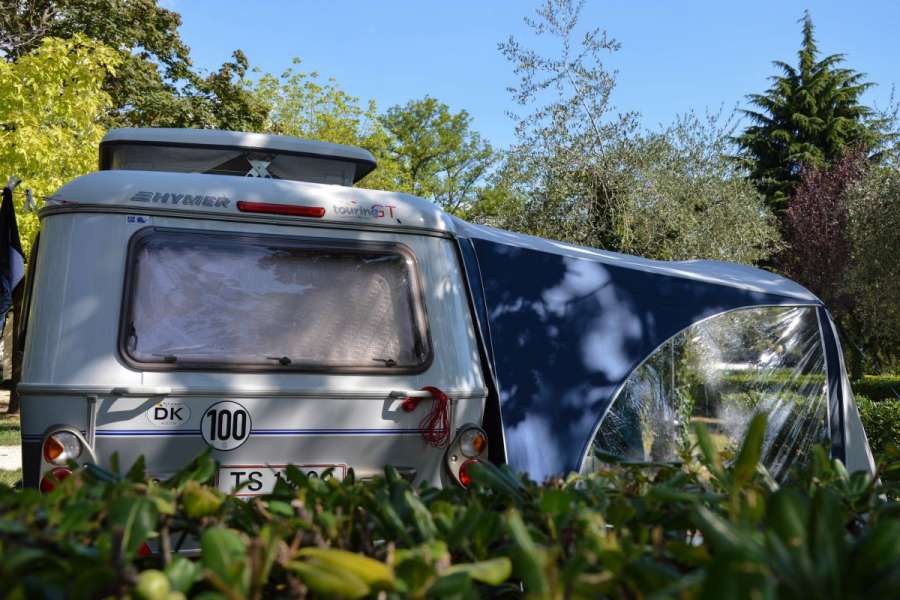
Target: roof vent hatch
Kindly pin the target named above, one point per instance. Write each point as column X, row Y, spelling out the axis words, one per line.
column 233, row 153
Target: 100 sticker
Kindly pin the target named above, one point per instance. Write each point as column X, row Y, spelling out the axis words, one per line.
column 225, row 425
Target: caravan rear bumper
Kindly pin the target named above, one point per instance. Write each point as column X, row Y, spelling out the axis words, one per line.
column 254, row 433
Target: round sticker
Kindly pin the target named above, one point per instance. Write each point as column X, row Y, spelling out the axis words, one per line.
column 169, row 413
column 225, row 425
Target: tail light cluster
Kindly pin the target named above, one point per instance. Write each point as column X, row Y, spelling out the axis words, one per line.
column 60, row 447
column 470, row 447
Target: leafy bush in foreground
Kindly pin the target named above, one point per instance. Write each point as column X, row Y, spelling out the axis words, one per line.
column 704, row 530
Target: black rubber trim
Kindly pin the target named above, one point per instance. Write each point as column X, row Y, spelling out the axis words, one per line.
column 492, row 421
column 836, row 426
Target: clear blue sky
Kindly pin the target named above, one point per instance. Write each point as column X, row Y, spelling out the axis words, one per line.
column 675, row 56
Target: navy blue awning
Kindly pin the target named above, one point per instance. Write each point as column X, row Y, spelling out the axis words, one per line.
column 567, row 325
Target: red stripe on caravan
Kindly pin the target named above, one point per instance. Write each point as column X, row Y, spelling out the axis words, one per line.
column 281, row 209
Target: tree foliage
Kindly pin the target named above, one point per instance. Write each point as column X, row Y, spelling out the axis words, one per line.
column 810, row 116
column 817, row 230
column 421, row 147
column 439, row 155
column 568, row 137
column 843, row 230
column 52, row 104
column 874, row 278
column 303, row 105
column 685, row 201
column 582, row 173
column 155, row 84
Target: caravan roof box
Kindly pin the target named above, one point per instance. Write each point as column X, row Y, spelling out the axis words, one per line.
column 233, row 153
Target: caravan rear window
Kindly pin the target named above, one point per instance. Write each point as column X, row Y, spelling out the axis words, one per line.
column 256, row 302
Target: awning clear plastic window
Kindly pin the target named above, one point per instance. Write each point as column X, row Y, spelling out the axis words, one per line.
column 722, row 372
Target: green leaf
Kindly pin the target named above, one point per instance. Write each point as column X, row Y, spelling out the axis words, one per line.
column 452, row 585
column 711, row 457
column 224, row 554
column 98, row 473
column 491, row 572
column 164, row 499
column 373, row 572
column 556, row 501
column 281, row 508
column 787, row 515
column 751, row 450
column 421, row 516
column 135, row 519
column 496, row 479
column 878, row 552
column 329, row 582
column 138, row 471
column 828, row 543
column 529, row 558
column 183, row 573
column 670, row 494
column 199, row 500
column 721, row 535
column 17, row 558
column 201, row 470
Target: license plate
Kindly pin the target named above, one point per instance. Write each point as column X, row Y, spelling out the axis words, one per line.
column 260, row 479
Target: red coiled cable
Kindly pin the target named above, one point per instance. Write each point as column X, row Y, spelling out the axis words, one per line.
column 435, row 425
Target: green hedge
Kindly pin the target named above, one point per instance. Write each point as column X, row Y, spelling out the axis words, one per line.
column 881, row 420
column 629, row 532
column 878, row 387
column 875, row 387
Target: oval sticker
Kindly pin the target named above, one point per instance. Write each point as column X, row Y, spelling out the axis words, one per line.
column 225, row 425
column 169, row 413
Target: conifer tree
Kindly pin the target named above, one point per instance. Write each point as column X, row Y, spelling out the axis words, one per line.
column 810, row 116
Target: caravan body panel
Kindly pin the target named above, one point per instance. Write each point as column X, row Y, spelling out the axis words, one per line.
column 312, row 418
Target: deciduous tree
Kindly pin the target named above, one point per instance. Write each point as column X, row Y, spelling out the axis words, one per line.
column 155, row 84
column 817, row 230
column 303, row 105
column 583, row 173
column 439, row 155
column 52, row 104
column 874, row 273
column 843, row 230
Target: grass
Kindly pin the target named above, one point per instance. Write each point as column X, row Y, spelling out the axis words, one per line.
column 10, row 430
column 10, row 435
column 10, row 478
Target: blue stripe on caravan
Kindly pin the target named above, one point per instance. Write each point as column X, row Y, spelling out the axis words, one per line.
column 259, row 432
column 160, row 433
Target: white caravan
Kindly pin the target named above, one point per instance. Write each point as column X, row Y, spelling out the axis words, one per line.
column 232, row 291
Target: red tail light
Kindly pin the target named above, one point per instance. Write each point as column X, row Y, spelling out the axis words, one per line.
column 464, row 477
column 49, row 481
column 281, row 209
